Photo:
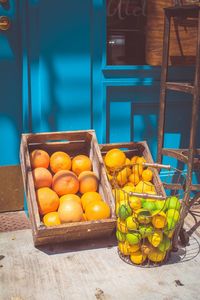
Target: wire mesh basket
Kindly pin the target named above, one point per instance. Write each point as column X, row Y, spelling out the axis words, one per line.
column 146, row 218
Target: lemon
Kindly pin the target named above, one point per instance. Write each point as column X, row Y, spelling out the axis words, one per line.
column 144, row 187
column 115, row 158
column 122, row 177
column 135, row 202
column 121, row 237
column 138, row 257
column 131, row 223
column 146, row 248
column 155, row 238
column 134, row 178
column 123, row 248
column 159, row 219
column 147, row 175
column 121, row 226
column 156, row 255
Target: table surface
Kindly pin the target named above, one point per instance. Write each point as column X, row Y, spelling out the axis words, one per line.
column 91, row 270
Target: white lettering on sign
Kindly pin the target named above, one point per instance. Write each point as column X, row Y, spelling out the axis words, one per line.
column 126, row 8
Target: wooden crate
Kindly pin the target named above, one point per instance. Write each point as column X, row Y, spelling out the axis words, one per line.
column 138, row 149
column 74, row 142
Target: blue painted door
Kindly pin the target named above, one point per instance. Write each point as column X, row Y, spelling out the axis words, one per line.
column 10, row 85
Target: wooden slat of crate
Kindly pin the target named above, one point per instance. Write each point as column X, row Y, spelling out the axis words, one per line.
column 141, row 149
column 78, row 142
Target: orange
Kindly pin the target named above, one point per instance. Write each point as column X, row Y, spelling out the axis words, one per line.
column 81, row 163
column 147, row 175
column 48, row 200
column 88, row 182
column 89, row 197
column 51, row 219
column 70, row 197
column 84, row 218
column 97, row 210
column 134, row 178
column 115, row 158
column 39, row 158
column 65, row 182
column 60, row 161
column 42, row 177
column 70, row 211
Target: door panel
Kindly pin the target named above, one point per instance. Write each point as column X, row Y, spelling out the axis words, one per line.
column 11, row 189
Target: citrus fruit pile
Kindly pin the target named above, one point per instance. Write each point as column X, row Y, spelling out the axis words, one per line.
column 122, row 171
column 66, row 188
column 145, row 226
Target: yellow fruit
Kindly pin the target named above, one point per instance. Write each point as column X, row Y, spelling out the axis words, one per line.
column 133, row 248
column 147, row 175
column 120, row 196
column 122, row 177
column 130, row 184
column 146, row 248
column 123, row 248
column 134, row 159
column 140, row 160
column 156, row 255
column 135, row 202
column 155, row 238
column 89, row 197
column 134, row 178
column 143, row 216
column 138, row 257
column 144, row 187
column 51, row 219
column 128, row 189
column 137, row 169
column 159, row 219
column 115, row 158
column 121, row 226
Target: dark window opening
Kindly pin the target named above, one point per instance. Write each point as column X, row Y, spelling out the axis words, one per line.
column 126, row 20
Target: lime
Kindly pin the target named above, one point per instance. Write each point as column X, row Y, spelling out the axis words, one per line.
column 160, row 205
column 174, row 214
column 121, row 237
column 165, row 244
column 150, row 205
column 171, row 224
column 131, row 223
column 124, row 211
column 145, row 230
column 173, row 202
column 133, row 238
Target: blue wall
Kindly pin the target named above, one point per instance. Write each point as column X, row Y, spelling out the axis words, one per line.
column 66, row 85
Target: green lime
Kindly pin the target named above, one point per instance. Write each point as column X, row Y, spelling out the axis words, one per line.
column 174, row 214
column 145, row 230
column 171, row 224
column 124, row 211
column 133, row 238
column 160, row 205
column 131, row 223
column 165, row 244
column 121, row 237
column 173, row 203
column 150, row 205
